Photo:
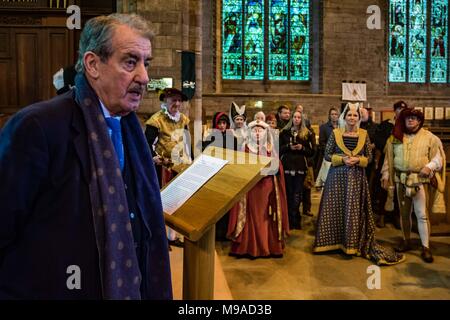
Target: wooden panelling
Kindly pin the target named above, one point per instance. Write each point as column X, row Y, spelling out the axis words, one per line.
column 57, row 58
column 34, row 44
column 5, row 44
column 24, row 4
column 27, row 61
column 4, row 84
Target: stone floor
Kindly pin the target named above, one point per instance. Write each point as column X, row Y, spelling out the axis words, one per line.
column 303, row 275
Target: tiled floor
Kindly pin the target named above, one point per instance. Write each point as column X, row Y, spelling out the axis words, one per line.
column 303, row 275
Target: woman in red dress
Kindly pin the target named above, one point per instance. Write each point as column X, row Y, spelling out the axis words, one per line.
column 259, row 222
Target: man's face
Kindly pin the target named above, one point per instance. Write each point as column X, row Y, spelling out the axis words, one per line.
column 285, row 114
column 174, row 104
column 123, row 77
column 222, row 125
column 238, row 122
column 412, row 123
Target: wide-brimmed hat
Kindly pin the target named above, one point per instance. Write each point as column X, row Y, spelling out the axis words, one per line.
column 170, row 92
column 400, row 104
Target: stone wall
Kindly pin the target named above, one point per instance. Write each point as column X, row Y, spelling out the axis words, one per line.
column 349, row 51
column 176, row 24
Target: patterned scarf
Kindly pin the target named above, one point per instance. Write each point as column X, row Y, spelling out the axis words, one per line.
column 120, row 275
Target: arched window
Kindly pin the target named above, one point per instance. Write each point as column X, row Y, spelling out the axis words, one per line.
column 266, row 39
column 418, row 41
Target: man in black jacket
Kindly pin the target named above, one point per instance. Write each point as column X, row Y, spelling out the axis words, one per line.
column 81, row 214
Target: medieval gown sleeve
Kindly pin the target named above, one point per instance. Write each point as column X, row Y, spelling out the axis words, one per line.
column 330, row 152
column 367, row 156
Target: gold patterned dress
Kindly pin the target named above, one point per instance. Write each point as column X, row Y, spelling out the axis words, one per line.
column 345, row 218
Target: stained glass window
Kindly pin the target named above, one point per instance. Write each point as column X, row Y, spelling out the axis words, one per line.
column 278, row 40
column 254, row 39
column 397, row 41
column 417, row 40
column 299, row 39
column 439, row 41
column 232, row 39
column 418, row 31
column 265, row 39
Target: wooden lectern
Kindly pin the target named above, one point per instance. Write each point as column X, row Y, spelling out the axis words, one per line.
column 197, row 217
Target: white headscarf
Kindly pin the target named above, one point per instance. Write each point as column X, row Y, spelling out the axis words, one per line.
column 349, row 106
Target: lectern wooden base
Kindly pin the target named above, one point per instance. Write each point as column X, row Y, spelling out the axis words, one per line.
column 197, row 217
column 198, row 267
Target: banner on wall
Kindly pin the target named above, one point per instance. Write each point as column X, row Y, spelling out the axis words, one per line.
column 188, row 73
column 354, row 91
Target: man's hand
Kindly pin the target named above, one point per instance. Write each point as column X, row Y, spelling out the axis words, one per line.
column 157, row 160
column 425, row 172
column 166, row 162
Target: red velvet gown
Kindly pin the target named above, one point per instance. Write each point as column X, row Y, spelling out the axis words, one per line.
column 259, row 223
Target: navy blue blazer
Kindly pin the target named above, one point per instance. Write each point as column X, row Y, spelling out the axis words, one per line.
column 46, row 221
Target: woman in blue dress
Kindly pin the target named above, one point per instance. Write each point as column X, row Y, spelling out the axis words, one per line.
column 345, row 218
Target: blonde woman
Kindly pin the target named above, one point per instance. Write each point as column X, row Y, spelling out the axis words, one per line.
column 294, row 149
column 345, row 220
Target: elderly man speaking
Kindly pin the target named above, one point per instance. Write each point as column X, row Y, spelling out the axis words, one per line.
column 81, row 214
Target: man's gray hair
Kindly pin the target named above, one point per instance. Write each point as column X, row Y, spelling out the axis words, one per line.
column 98, row 33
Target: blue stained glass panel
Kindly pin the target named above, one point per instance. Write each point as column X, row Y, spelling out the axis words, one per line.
column 278, row 40
column 299, row 39
column 417, row 40
column 254, row 39
column 232, row 39
column 439, row 41
column 397, row 40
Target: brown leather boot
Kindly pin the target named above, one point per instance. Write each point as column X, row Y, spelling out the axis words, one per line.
column 405, row 245
column 426, row 255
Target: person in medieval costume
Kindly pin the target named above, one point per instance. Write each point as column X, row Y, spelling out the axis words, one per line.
column 168, row 136
column 238, row 117
column 222, row 137
column 416, row 165
column 345, row 218
column 258, row 223
column 385, row 206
